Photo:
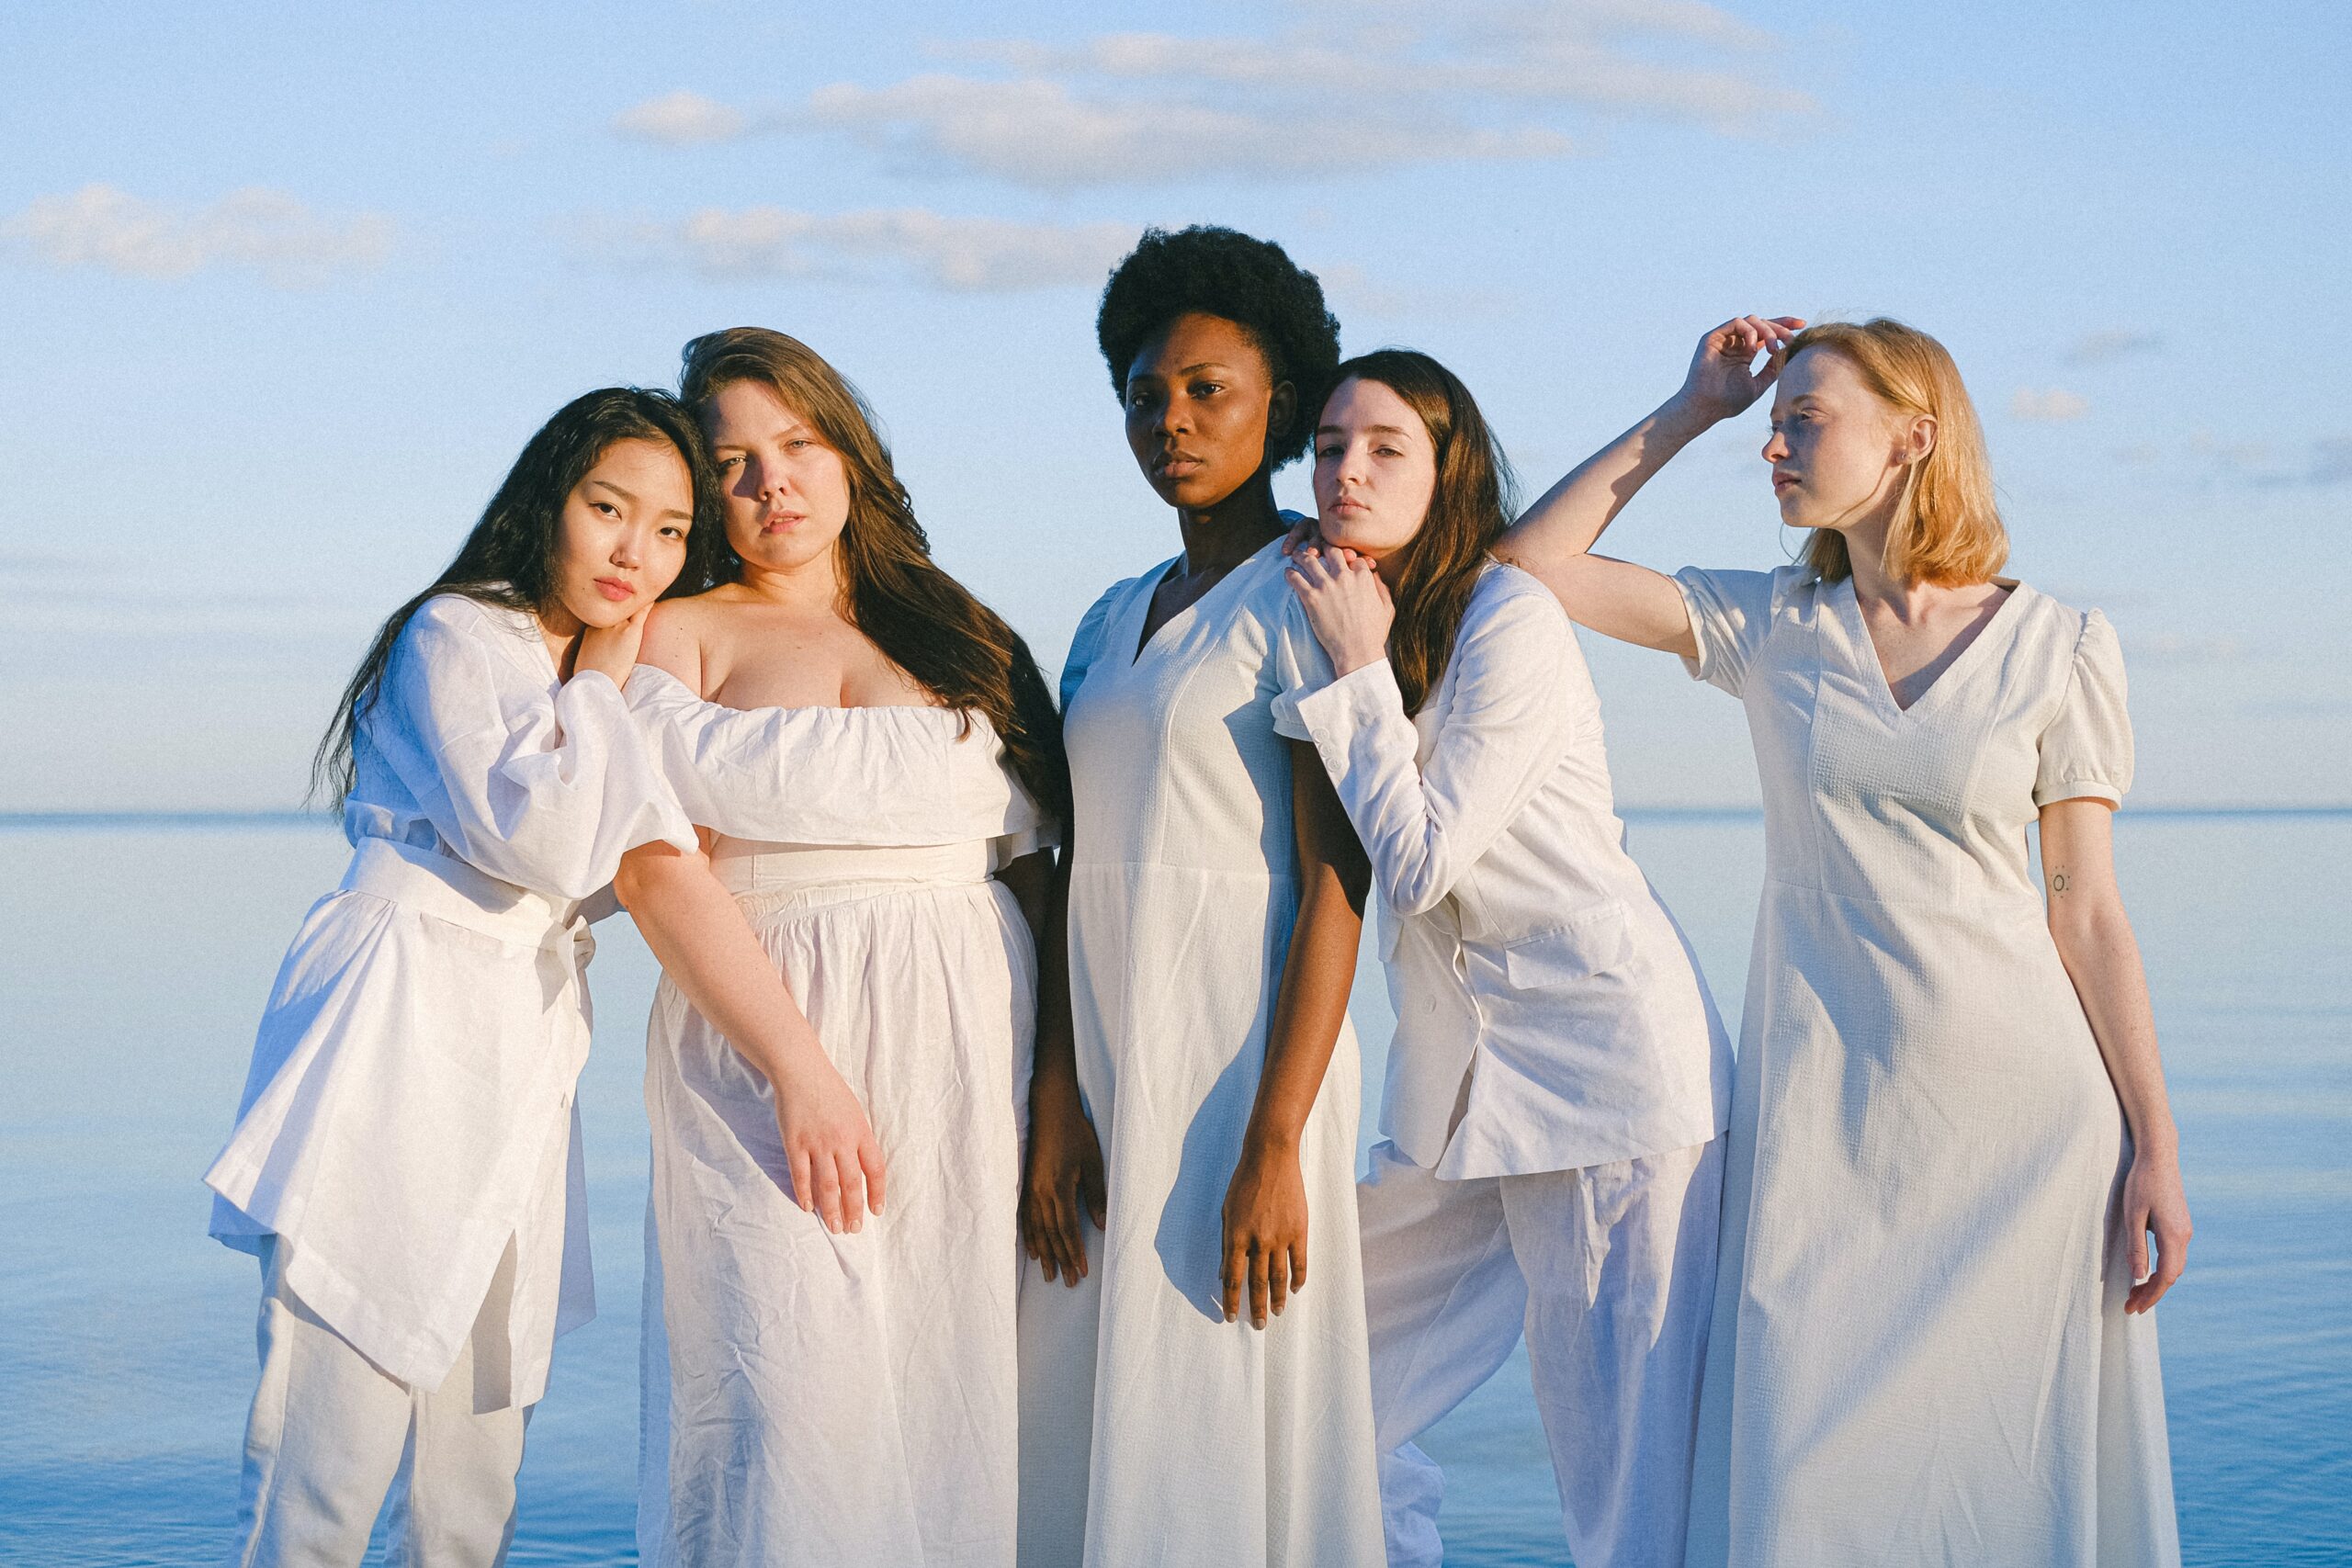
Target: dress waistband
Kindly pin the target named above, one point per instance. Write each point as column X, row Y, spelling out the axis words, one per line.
column 448, row 889
column 744, row 866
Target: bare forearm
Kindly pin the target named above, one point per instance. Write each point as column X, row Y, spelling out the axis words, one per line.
column 1567, row 519
column 1309, row 1012
column 2102, row 958
column 694, row 928
column 1056, row 1070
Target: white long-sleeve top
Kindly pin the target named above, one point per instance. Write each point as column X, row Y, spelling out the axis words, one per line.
column 1549, row 1014
column 409, row 1113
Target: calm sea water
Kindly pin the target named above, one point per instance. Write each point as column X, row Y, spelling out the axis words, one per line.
column 134, row 958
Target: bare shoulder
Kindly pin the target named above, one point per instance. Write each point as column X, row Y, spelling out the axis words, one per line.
column 676, row 632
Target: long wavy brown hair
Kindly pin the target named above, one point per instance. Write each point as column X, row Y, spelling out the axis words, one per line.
column 924, row 621
column 1469, row 509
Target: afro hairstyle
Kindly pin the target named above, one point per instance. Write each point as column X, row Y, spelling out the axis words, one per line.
column 1251, row 283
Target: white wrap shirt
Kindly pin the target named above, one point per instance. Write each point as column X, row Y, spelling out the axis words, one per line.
column 1527, row 953
column 409, row 1111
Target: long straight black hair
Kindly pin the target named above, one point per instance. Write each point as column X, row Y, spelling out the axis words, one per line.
column 924, row 621
column 509, row 559
column 1469, row 509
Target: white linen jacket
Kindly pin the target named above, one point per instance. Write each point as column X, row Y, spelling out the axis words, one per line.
column 1549, row 1013
column 408, row 1115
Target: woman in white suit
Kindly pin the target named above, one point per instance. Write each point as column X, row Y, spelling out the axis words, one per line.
column 1559, row 1074
column 406, row 1157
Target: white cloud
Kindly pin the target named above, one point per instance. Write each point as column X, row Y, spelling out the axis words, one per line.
column 680, row 119
column 2115, row 342
column 265, row 230
column 1037, row 133
column 2054, row 406
column 1373, row 83
column 962, row 254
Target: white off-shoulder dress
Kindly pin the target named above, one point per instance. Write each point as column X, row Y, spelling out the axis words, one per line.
column 1920, row 1354
column 1153, row 1430
column 839, row 1400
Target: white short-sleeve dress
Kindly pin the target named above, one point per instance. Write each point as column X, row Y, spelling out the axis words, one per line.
column 812, row 1398
column 1920, row 1353
column 1153, row 1431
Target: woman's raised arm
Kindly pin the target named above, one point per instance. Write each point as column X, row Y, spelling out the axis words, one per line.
column 1553, row 540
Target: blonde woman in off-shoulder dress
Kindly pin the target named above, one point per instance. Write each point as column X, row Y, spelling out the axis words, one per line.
column 875, row 764
column 1950, row 1141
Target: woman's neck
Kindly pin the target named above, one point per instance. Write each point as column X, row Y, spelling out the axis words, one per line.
column 813, row 585
column 1221, row 535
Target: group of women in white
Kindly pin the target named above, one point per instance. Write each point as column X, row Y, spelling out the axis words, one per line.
column 953, row 974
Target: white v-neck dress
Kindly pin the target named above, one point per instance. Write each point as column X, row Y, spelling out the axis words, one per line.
column 1920, row 1354
column 814, row 1400
column 1153, row 1431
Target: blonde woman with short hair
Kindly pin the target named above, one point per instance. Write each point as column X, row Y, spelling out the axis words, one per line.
column 1949, row 1138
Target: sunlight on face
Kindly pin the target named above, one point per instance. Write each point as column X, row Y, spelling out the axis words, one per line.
column 786, row 490
column 1837, row 449
column 1375, row 468
column 623, row 537
column 1200, row 401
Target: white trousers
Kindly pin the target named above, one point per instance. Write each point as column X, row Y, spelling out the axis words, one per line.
column 332, row 1434
column 1610, row 1271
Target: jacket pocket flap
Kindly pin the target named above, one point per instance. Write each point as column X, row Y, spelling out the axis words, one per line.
column 1592, row 941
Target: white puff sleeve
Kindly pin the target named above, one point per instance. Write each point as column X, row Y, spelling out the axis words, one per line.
column 2087, row 749
column 543, row 794
column 1731, row 614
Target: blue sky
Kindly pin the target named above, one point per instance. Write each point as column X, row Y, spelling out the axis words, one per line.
column 287, row 287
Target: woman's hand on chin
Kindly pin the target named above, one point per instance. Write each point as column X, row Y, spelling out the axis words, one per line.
column 612, row 651
column 1064, row 1178
column 1347, row 604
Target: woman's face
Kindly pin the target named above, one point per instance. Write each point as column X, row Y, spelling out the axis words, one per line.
column 1838, row 453
column 622, row 539
column 786, row 490
column 1200, row 404
column 1375, row 468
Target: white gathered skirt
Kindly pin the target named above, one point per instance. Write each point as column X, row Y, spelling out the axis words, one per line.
column 838, row 1400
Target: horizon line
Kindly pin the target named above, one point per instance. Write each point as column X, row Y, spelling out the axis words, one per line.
column 158, row 817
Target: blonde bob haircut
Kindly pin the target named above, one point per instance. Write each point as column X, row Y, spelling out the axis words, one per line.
column 1947, row 531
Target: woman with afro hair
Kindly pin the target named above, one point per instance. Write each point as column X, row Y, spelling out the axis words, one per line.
column 1192, row 1132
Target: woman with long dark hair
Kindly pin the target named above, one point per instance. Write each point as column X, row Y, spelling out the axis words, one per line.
column 406, row 1157
column 1559, row 1074
column 1193, row 1150
column 876, row 764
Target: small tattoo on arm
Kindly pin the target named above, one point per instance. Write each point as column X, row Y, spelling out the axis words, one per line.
column 2058, row 882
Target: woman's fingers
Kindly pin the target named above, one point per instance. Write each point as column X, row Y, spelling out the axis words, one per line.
column 800, row 1162
column 827, row 1178
column 1091, row 1192
column 1230, row 1276
column 2136, row 1218
column 1258, row 1286
column 1298, row 1265
column 853, row 1182
column 1277, row 1269
column 869, row 1158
